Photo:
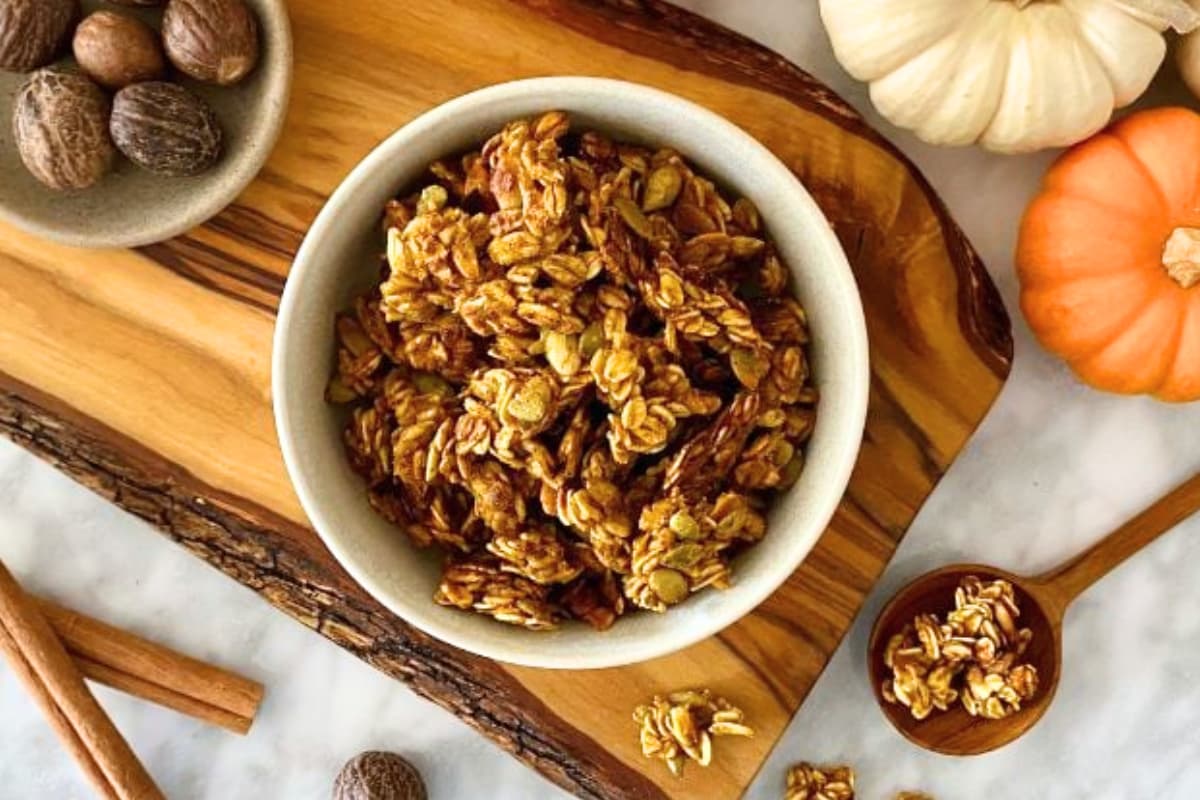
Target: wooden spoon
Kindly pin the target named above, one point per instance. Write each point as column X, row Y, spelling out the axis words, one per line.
column 1042, row 600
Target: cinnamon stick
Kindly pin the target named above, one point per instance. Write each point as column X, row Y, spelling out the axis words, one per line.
column 152, row 672
column 34, row 651
column 145, row 689
column 58, row 721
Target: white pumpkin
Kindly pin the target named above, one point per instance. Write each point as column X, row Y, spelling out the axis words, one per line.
column 1187, row 55
column 1011, row 75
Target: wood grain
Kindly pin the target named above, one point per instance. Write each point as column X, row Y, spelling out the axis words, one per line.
column 145, row 374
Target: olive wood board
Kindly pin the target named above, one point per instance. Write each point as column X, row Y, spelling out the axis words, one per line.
column 145, row 374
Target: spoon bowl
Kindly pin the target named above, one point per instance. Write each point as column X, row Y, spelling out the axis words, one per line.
column 955, row 732
column 1042, row 602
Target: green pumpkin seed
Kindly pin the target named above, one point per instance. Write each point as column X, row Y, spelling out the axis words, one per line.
column 791, row 470
column 684, row 556
column 433, row 198
column 684, row 525
column 729, row 525
column 670, row 586
column 428, row 383
column 662, row 187
column 530, row 402
column 591, row 340
column 782, row 452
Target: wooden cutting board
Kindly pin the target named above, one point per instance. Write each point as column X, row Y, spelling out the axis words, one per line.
column 145, row 375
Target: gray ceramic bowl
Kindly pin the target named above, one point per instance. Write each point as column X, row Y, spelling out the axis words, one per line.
column 131, row 207
column 339, row 258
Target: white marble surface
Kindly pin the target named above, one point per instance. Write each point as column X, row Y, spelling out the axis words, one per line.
column 1053, row 467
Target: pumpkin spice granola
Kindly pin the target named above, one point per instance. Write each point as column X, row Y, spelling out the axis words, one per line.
column 582, row 375
column 970, row 657
column 808, row 782
column 681, row 727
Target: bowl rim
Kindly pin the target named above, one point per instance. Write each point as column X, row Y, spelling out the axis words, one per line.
column 509, row 649
column 276, row 96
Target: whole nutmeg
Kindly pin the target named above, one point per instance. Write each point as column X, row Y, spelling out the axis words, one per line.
column 60, row 124
column 116, row 50
column 165, row 128
column 376, row 775
column 33, row 32
column 215, row 41
column 143, row 3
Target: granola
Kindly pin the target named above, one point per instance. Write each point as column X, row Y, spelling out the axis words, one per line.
column 969, row 659
column 807, row 782
column 581, row 375
column 681, row 726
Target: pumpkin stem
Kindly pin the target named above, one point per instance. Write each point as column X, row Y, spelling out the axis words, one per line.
column 1181, row 256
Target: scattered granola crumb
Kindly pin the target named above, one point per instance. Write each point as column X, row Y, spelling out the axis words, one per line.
column 806, row 782
column 681, row 727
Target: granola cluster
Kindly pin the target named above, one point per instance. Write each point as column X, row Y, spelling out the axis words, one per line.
column 582, row 375
column 806, row 782
column 682, row 725
column 970, row 658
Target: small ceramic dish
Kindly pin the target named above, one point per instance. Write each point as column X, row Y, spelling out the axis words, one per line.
column 132, row 207
column 340, row 257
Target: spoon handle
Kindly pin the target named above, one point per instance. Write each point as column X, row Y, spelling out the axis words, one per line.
column 1071, row 579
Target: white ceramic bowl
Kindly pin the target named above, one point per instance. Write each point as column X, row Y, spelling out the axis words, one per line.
column 339, row 258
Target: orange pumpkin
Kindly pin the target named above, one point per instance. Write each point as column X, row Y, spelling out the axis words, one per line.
column 1109, row 257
